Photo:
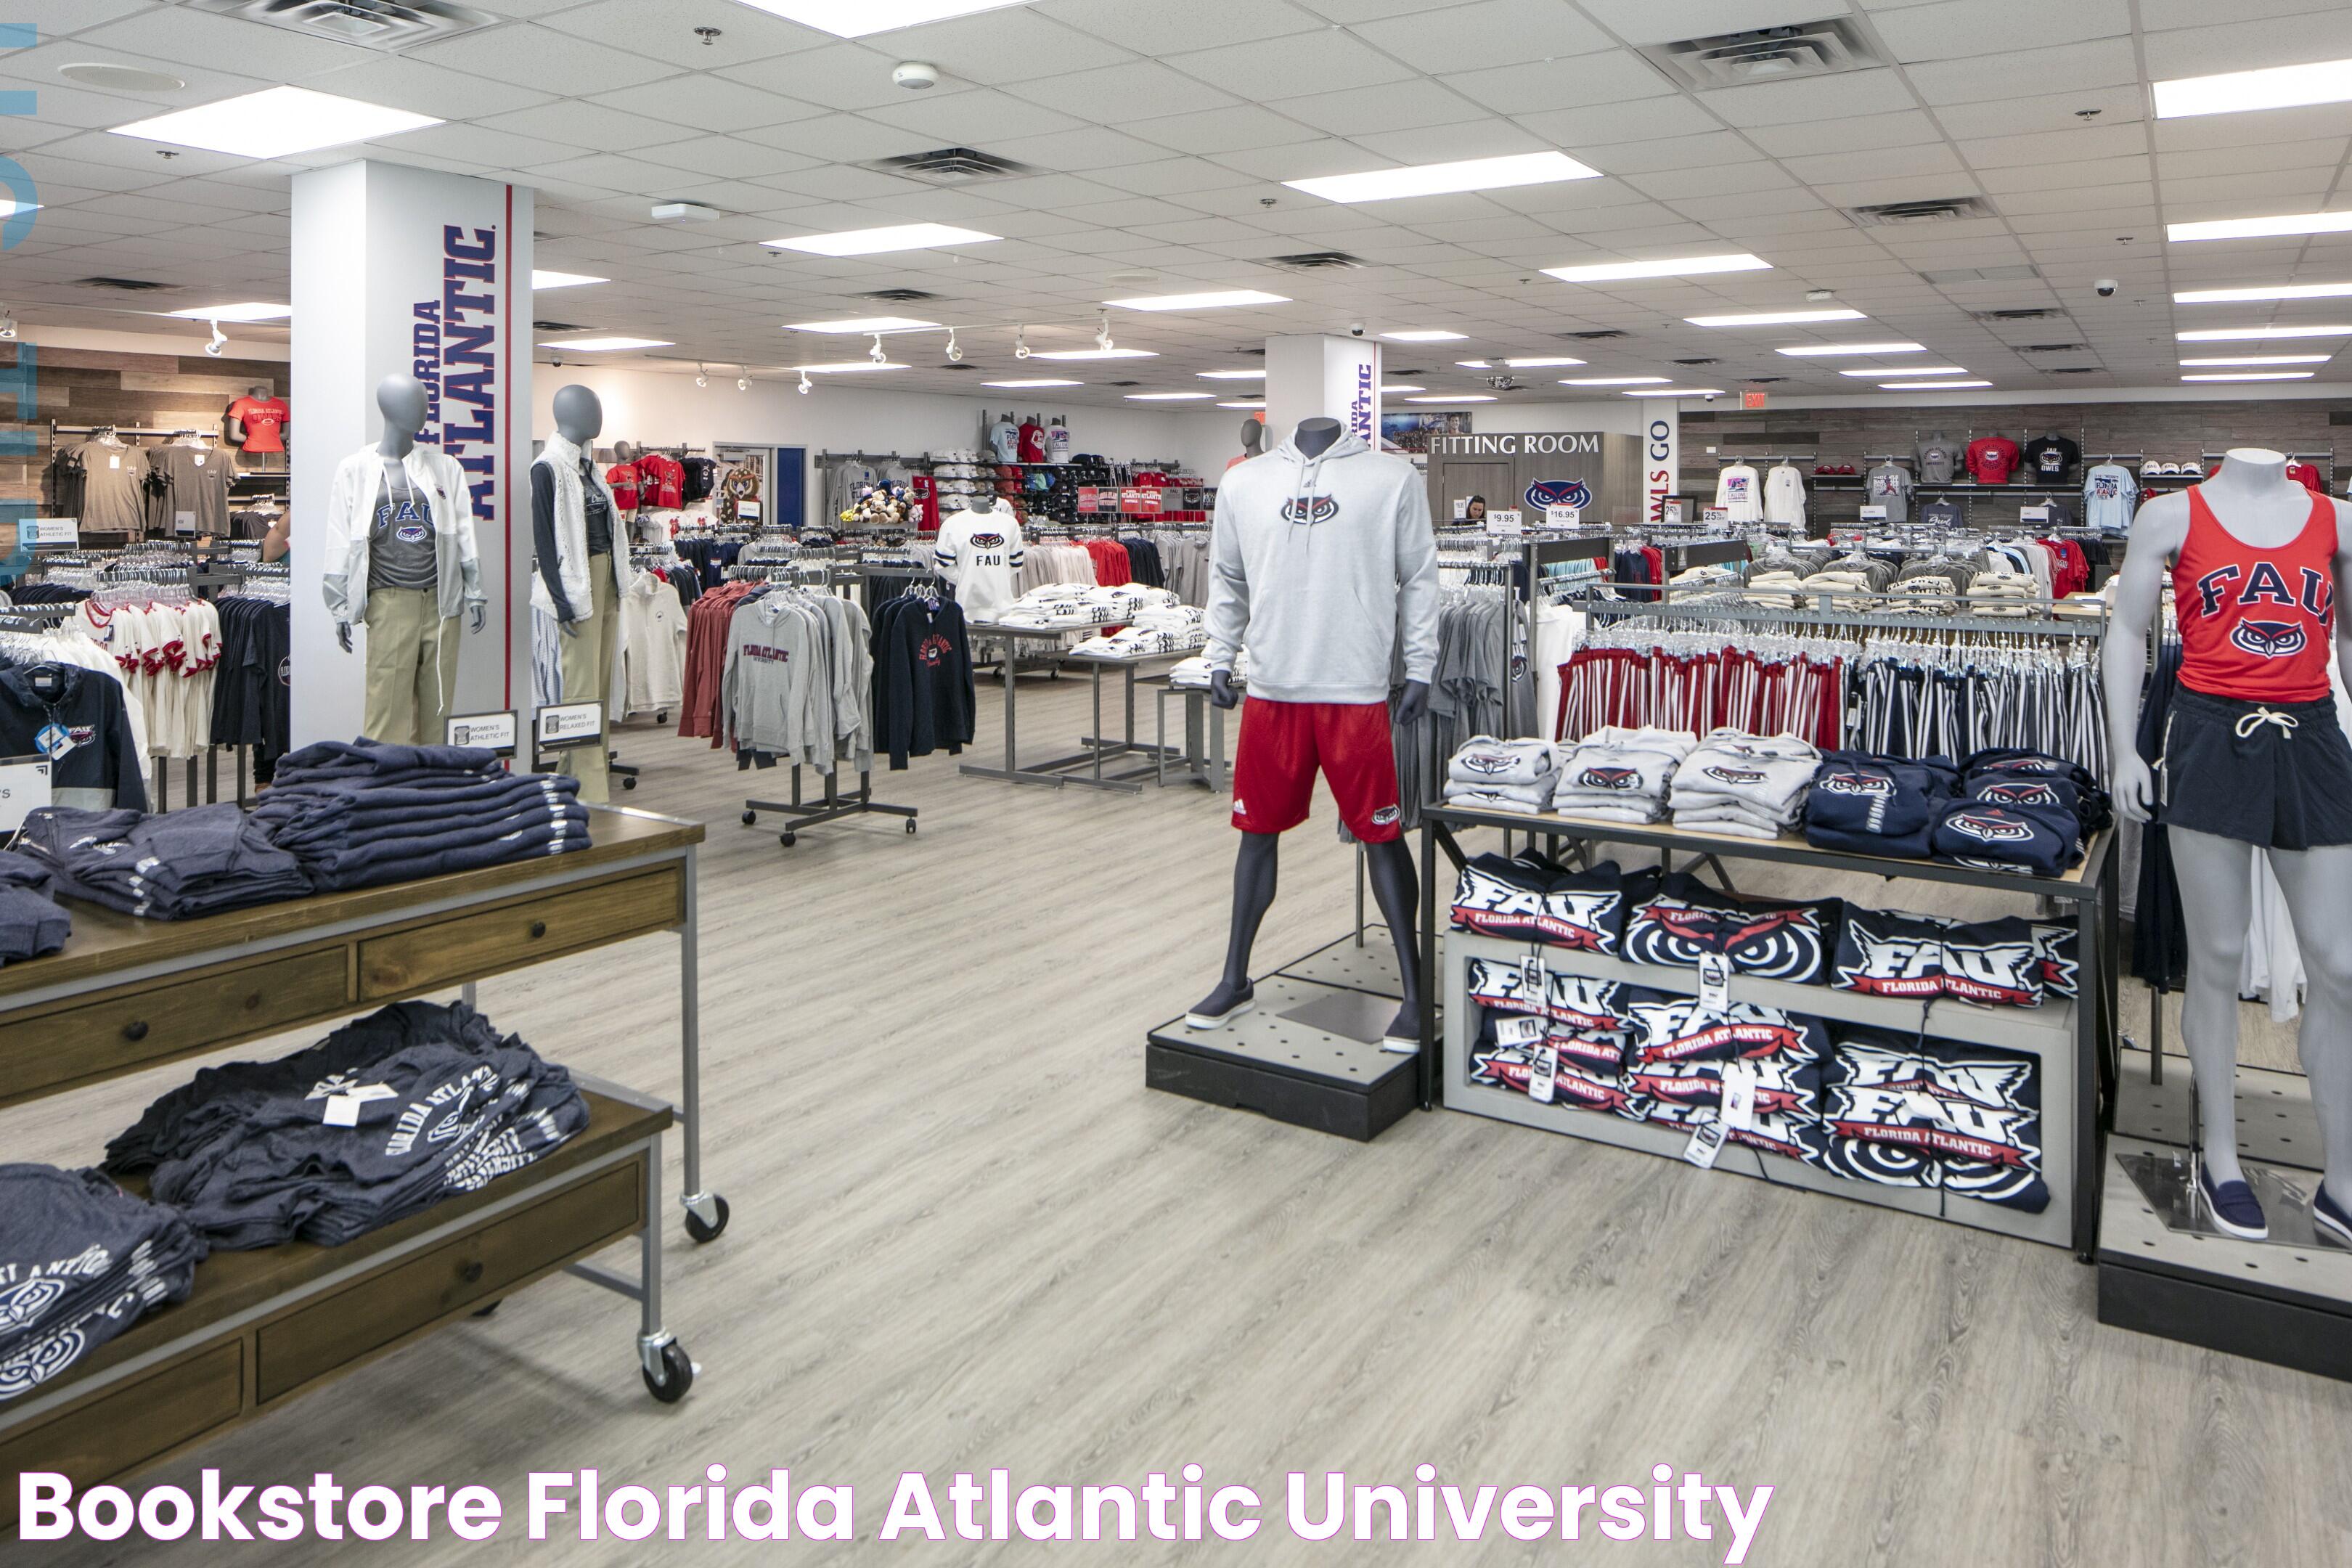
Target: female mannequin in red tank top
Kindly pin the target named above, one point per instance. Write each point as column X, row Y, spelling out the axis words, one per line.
column 2257, row 563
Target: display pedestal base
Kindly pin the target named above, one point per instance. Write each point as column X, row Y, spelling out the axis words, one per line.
column 1309, row 1053
column 2164, row 1269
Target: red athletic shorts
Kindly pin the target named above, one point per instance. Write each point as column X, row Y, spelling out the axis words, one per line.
column 1283, row 743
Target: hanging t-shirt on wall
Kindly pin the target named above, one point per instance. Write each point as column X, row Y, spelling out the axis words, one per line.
column 264, row 419
column 1992, row 458
column 2050, row 459
column 1739, row 493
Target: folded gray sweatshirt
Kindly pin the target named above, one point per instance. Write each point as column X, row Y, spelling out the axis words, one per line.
column 1320, row 566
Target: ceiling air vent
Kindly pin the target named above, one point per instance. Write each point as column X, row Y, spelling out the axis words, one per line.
column 955, row 368
column 898, row 296
column 1765, row 380
column 1127, row 383
column 1593, row 337
column 1698, row 362
column 126, row 284
column 1319, row 261
column 557, row 327
column 2055, row 349
column 1943, row 209
column 951, row 166
column 1766, row 54
column 375, row 23
column 2075, row 370
column 2033, row 314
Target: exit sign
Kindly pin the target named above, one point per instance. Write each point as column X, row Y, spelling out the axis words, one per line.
column 1755, row 399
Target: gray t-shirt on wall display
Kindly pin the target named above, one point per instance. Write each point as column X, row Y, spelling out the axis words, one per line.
column 400, row 537
column 1939, row 458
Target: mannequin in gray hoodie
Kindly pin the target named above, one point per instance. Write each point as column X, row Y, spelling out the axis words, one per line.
column 1324, row 563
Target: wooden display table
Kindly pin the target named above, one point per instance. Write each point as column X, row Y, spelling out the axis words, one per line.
column 264, row 1326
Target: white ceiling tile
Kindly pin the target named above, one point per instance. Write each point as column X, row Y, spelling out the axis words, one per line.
column 1535, row 88
column 2236, row 45
column 2291, row 184
column 1867, row 162
column 222, row 43
column 842, row 139
column 2321, row 154
column 1135, row 87
column 2086, row 175
column 1670, row 185
column 838, row 76
column 713, row 103
column 1907, row 128
column 2085, row 142
column 664, row 30
column 1839, row 97
column 1714, row 148
column 1469, row 37
column 981, row 117
column 2155, row 15
column 2103, row 62
column 526, row 51
column 1490, row 138
column 1221, row 131
column 575, row 123
column 1158, row 29
column 2051, row 111
column 2254, row 130
column 1089, row 147
column 1393, row 106
column 1001, row 46
column 1640, row 22
column 1642, row 119
column 727, row 158
column 1274, row 66
column 1958, row 29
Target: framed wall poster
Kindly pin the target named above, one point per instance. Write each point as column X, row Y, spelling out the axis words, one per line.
column 1411, row 432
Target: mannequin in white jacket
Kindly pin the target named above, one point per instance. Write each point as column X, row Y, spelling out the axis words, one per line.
column 581, row 571
column 402, row 562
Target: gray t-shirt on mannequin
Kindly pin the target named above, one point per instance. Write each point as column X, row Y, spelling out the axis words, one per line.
column 599, row 511
column 400, row 537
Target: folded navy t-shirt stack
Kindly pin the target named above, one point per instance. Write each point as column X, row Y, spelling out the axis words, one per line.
column 361, row 813
column 381, row 1120
column 80, row 1261
column 2020, row 811
column 31, row 923
column 171, row 866
column 1861, row 803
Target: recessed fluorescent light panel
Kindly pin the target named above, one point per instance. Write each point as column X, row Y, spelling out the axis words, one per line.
column 1232, row 374
column 2258, row 376
column 252, row 310
column 1093, row 353
column 541, row 278
column 277, row 123
column 1689, row 267
column 1399, row 390
column 2260, row 227
column 1907, row 370
column 1675, row 391
column 2241, row 334
column 1227, row 300
column 879, row 241
column 606, row 345
column 2256, row 359
column 863, row 324
column 1427, row 337
column 863, row 18
column 1928, row 386
column 1476, row 398
column 1032, row 382
column 2236, row 92
column 1259, row 404
column 1617, row 381
column 1447, row 179
column 1170, row 397
column 2275, row 291
column 1776, row 318
column 1542, row 364
column 1474, row 365
column 1831, row 351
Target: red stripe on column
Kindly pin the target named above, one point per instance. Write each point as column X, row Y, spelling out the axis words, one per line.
column 506, row 611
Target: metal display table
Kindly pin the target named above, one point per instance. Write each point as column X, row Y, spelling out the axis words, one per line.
column 126, row 996
column 1204, row 722
column 2076, row 1044
column 1096, row 750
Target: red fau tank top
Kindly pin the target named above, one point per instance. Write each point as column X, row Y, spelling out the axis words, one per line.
column 2256, row 624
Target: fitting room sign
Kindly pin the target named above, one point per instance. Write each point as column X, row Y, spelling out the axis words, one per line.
column 1533, row 444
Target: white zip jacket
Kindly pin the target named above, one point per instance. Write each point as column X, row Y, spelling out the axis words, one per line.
column 1324, row 566
column 351, row 513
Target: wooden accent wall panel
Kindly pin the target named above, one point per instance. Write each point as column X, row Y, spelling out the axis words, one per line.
column 92, row 386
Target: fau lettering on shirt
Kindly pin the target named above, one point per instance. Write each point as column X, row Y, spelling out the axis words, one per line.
column 2256, row 625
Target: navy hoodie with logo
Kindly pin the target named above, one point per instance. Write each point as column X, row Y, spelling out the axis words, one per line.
column 77, row 719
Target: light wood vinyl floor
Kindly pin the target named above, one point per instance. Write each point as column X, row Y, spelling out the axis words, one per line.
column 965, row 1236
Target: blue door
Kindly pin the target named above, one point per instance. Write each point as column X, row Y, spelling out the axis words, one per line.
column 788, row 505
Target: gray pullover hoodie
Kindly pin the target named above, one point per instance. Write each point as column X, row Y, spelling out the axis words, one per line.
column 1320, row 565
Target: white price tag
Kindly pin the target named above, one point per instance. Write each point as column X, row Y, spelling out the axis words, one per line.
column 564, row 724
column 1544, row 1083
column 344, row 1109
column 114, row 462
column 1739, row 1114
column 491, row 732
column 1714, row 982
column 1533, row 983
column 1520, row 1031
column 1706, row 1144
column 200, row 459
column 1873, row 514
column 1715, row 514
column 1506, row 522
column 1561, row 517
column 2034, row 514
column 23, row 789
column 49, row 531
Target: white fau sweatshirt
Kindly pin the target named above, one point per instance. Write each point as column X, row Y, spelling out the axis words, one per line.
column 1320, row 565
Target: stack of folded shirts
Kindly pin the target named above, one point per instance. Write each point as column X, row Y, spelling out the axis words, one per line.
column 80, row 1260
column 1774, row 590
column 1620, row 774
column 1163, row 629
column 382, row 1119
column 1866, row 805
column 173, row 867
column 1750, row 786
column 31, row 924
column 1516, row 776
column 1839, row 582
column 361, row 813
column 2001, row 593
column 1193, row 674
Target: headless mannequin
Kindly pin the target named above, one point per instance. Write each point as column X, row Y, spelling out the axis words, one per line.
column 1252, row 439
column 587, row 670
column 401, row 399
column 1394, row 883
column 2257, row 504
column 236, row 426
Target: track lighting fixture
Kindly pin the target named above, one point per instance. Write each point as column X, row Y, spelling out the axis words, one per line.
column 1020, row 343
column 7, row 326
column 701, row 376
column 744, row 384
column 955, row 354
column 220, row 342
column 877, row 353
column 1102, row 335
column 807, row 386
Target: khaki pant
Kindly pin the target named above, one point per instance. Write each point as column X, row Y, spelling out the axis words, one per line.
column 588, row 677
column 412, row 667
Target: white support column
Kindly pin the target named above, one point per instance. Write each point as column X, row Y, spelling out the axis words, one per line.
column 1322, row 377
column 406, row 271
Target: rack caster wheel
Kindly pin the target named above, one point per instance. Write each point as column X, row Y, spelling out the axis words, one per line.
column 707, row 1229
column 788, row 839
column 751, row 818
column 676, row 1374
column 910, row 828
column 628, row 784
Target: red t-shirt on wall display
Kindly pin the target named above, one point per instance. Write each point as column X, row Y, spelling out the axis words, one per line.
column 264, row 419
column 1992, row 458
